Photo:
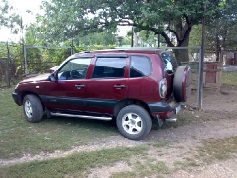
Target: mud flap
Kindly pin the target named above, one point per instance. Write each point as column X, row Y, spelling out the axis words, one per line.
column 160, row 121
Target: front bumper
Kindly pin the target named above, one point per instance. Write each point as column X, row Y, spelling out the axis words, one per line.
column 17, row 98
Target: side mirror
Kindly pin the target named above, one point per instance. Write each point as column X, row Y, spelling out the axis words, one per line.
column 52, row 77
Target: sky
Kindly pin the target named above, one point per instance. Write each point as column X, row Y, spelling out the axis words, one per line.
column 21, row 6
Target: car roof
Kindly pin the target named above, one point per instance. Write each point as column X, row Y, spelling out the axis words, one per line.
column 119, row 50
column 132, row 49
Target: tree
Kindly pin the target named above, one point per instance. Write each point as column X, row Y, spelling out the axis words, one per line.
column 220, row 30
column 33, row 36
column 105, row 38
column 4, row 8
column 41, row 58
column 166, row 17
column 8, row 18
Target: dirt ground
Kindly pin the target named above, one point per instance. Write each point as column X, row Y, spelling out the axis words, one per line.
column 220, row 113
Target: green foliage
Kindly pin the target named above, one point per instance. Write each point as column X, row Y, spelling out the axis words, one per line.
column 14, row 52
column 149, row 39
column 221, row 29
column 105, row 38
column 229, row 78
column 79, row 17
column 172, row 19
column 4, row 8
column 195, row 35
column 8, row 18
column 42, row 59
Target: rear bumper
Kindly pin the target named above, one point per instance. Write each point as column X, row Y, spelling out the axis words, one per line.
column 164, row 110
column 17, row 98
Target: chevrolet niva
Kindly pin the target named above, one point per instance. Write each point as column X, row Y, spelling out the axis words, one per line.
column 132, row 86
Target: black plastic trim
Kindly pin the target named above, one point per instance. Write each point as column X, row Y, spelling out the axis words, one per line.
column 63, row 100
column 112, row 55
column 161, row 106
column 17, row 98
column 101, row 103
column 92, row 102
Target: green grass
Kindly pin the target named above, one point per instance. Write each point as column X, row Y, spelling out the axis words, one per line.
column 220, row 149
column 213, row 150
column 19, row 137
column 145, row 168
column 77, row 165
column 186, row 163
column 229, row 78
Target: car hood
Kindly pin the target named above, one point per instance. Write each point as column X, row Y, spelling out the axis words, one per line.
column 41, row 77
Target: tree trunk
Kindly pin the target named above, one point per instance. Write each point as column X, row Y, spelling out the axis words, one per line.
column 182, row 55
column 182, row 33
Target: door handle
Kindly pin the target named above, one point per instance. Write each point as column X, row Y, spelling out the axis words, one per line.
column 119, row 86
column 80, row 86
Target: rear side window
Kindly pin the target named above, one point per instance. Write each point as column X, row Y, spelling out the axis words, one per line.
column 109, row 68
column 140, row 66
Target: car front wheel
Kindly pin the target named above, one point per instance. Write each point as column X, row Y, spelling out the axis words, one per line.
column 33, row 108
column 134, row 122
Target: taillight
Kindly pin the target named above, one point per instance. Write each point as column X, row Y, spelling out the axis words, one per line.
column 163, row 88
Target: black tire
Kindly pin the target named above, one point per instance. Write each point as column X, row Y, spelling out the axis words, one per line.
column 182, row 83
column 32, row 108
column 134, row 122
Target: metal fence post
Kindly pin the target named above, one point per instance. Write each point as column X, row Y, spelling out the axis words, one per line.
column 7, row 67
column 25, row 59
column 201, row 61
column 200, row 79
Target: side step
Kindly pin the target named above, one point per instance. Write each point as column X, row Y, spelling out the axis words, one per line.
column 171, row 119
column 81, row 116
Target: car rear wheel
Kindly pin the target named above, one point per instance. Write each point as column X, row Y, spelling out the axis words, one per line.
column 182, row 83
column 134, row 122
column 33, row 108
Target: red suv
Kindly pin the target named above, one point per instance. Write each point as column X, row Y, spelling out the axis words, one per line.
column 132, row 86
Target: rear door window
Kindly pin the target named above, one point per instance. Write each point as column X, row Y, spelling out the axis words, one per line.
column 109, row 67
column 140, row 66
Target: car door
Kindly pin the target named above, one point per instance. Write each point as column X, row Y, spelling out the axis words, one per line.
column 108, row 84
column 141, row 85
column 69, row 90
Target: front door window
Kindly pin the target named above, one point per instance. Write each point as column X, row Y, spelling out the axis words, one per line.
column 74, row 69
